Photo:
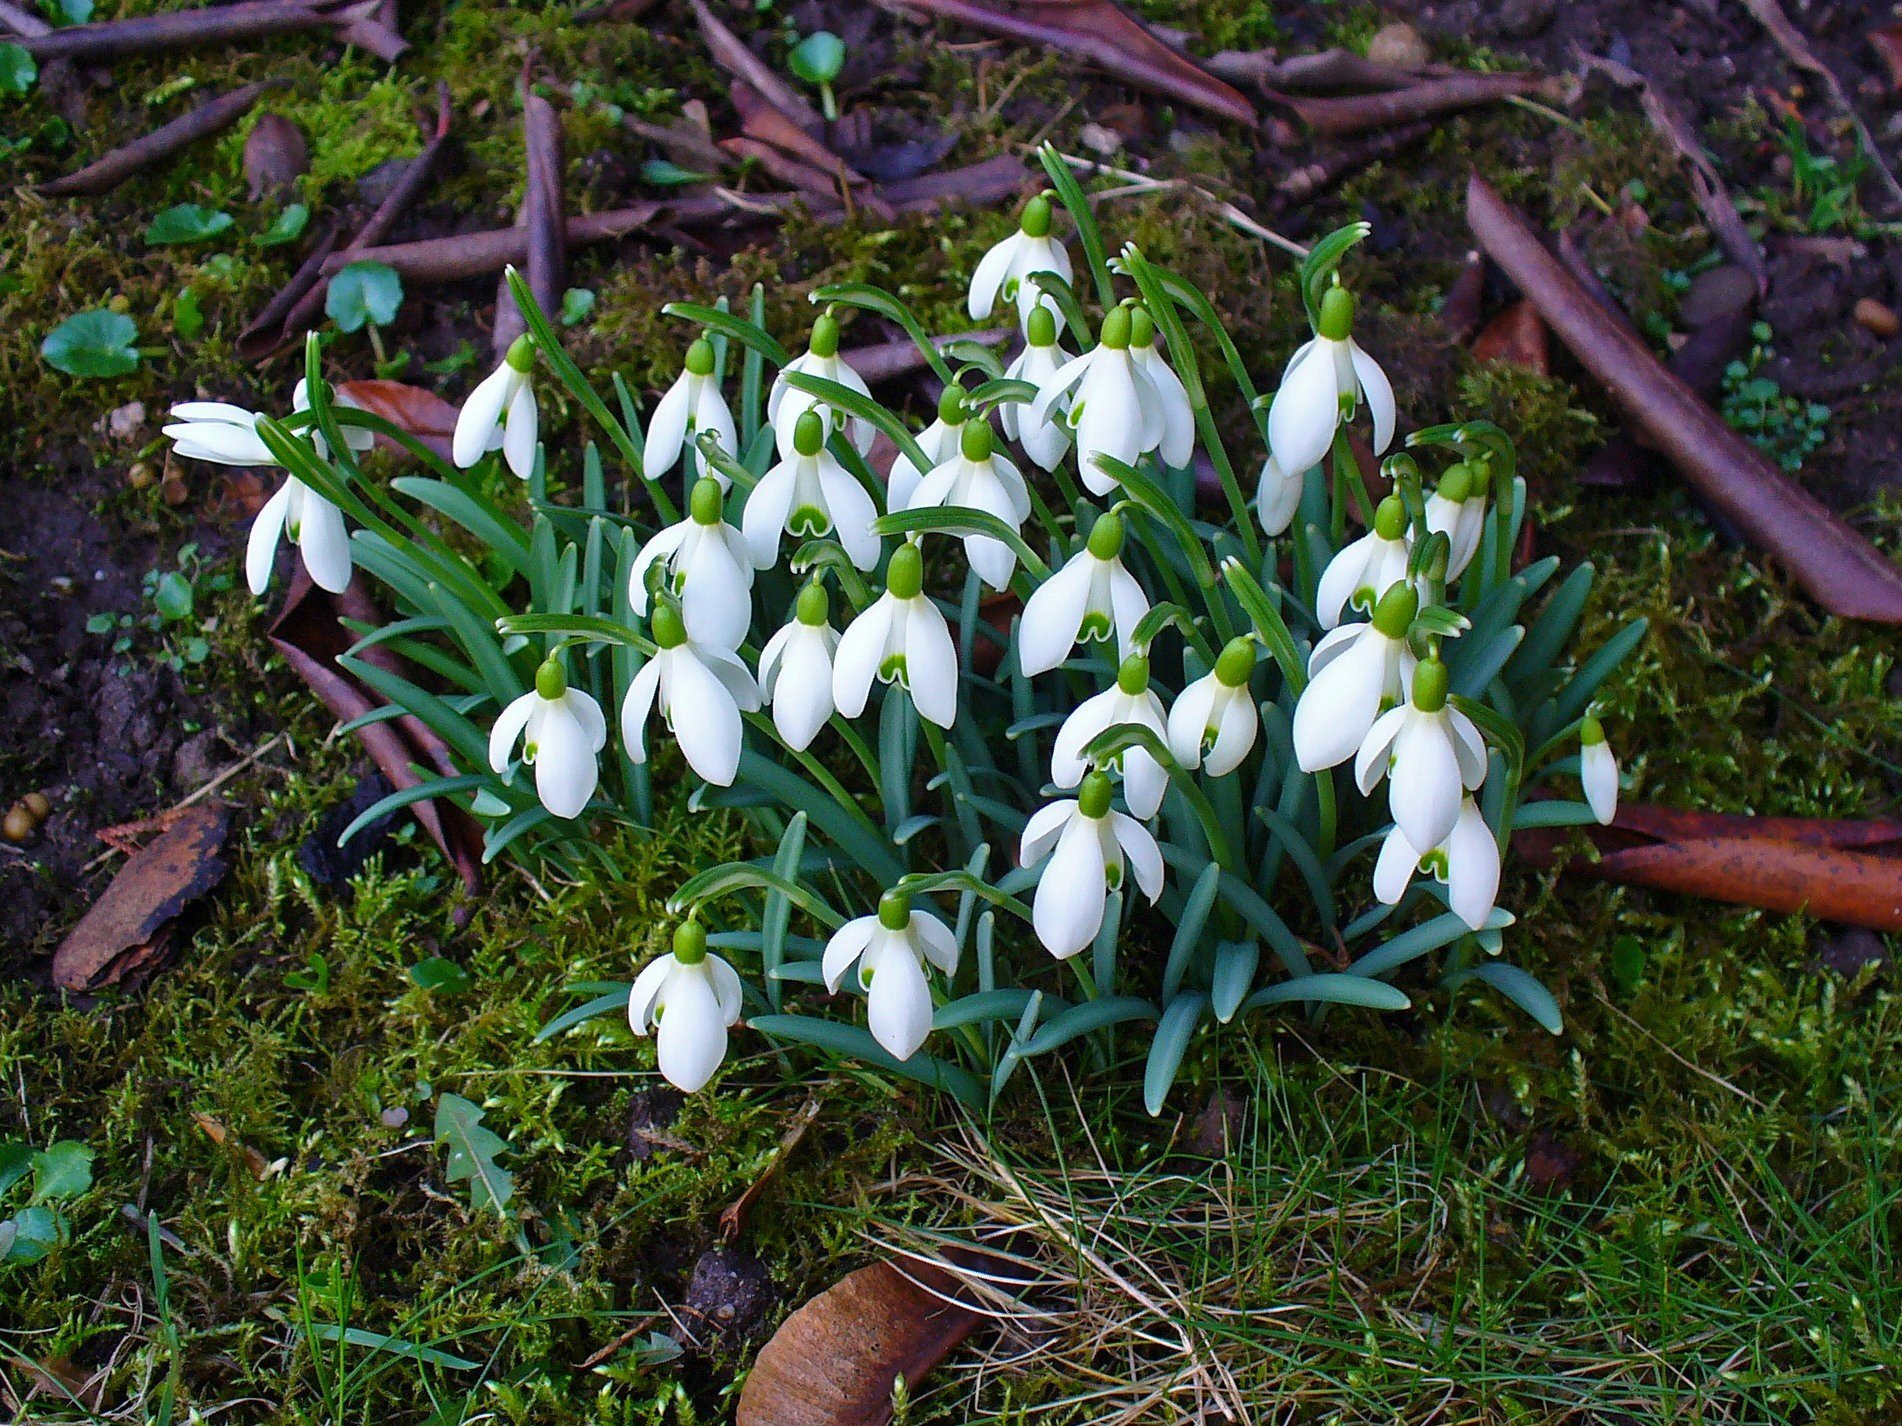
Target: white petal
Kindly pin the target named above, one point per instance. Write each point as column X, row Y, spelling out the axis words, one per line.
column 588, row 714
column 508, row 727
column 989, row 276
column 480, row 414
column 1235, row 736
column 1303, row 415
column 1598, row 771
column 1344, row 574
column 802, row 698
column 666, row 430
column 766, row 511
column 1379, row 393
column 716, row 597
column 852, row 513
column 1086, row 720
column 260, row 550
column 1145, row 857
column 1470, row 748
column 1423, row 791
column 648, row 986
column 1277, row 498
column 931, row 663
column 1128, row 604
column 704, row 717
column 565, row 770
column 661, row 547
column 323, row 542
column 1339, row 706
column 1395, row 866
column 1178, row 417
column 1052, row 616
column 1068, row 910
column 1189, row 720
column 898, row 1001
column 521, row 431
column 861, row 650
column 690, row 1041
column 711, row 413
column 848, row 943
column 1046, row 824
column 1370, row 763
column 1065, row 377
column 936, row 940
column 635, row 708
column 901, row 482
column 726, row 987
column 1472, row 857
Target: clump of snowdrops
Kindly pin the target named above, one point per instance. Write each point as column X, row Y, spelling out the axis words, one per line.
column 1038, row 742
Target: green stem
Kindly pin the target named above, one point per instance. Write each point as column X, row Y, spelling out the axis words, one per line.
column 1329, row 815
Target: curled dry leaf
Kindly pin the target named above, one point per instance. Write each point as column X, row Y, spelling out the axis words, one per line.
column 275, row 155
column 1517, row 336
column 423, row 414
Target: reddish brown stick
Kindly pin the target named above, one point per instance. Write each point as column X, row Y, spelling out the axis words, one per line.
column 541, row 219
column 1337, row 118
column 110, row 170
column 176, row 29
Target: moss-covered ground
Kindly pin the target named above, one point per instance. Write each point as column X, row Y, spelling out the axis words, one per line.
column 1684, row 1208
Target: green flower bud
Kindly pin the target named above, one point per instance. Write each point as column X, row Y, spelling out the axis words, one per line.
column 1390, row 518
column 1142, row 327
column 1133, row 676
column 1590, row 731
column 521, row 353
column 1457, row 484
column 813, row 608
column 1041, row 329
column 700, row 357
column 1036, row 219
column 1430, row 680
column 690, row 943
column 1093, row 797
column 894, row 911
column 669, row 632
column 1237, row 662
column 809, row 433
column 1115, row 333
column 951, row 405
column 707, row 503
column 550, row 681
column 905, row 575
column 1337, row 314
column 1106, row 536
column 976, row 440
column 825, row 335
column 1395, row 612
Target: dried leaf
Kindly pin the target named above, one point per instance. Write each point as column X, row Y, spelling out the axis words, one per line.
column 1517, row 336
column 1887, row 43
column 222, row 1137
column 275, row 155
column 157, row 882
column 732, row 55
column 423, row 414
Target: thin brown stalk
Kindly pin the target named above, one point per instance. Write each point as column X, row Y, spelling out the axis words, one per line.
column 110, row 170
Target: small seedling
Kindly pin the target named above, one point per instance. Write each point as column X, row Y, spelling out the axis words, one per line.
column 817, row 59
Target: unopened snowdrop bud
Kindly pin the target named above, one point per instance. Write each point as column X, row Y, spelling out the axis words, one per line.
column 1046, row 441
column 1114, row 408
column 501, row 414
column 1086, row 601
column 1458, row 512
column 810, row 494
column 707, row 567
column 1091, row 843
column 561, row 730
column 1214, row 721
column 938, row 441
column 691, row 406
column 1178, row 416
column 902, row 638
column 979, row 478
column 785, row 403
column 1363, row 570
column 1466, row 863
column 1129, row 701
column 700, row 690
column 1004, row 271
column 1277, row 497
column 890, row 951
column 1432, row 755
column 688, row 999
column 1597, row 770
column 1354, row 674
column 1323, row 385
column 795, row 670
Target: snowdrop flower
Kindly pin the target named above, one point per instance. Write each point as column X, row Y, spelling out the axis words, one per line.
column 810, row 494
column 1047, row 441
column 979, row 478
column 1466, row 863
column 501, row 414
column 1598, row 770
column 227, row 434
column 1432, row 754
column 795, row 670
column 1277, row 497
column 1177, row 443
column 688, row 999
column 561, row 730
column 1457, row 510
column 901, row 639
column 1091, row 845
column 1004, row 270
column 700, row 690
column 1354, row 674
column 1087, row 600
column 1214, row 721
column 1129, row 701
column 1324, row 382
column 890, row 951
column 706, row 565
column 693, row 405
column 938, row 441
column 1358, row 575
column 1115, row 409
column 786, row 403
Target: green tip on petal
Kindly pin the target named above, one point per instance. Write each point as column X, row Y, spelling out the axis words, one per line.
column 690, row 943
column 1041, row 329
column 1237, row 662
column 1430, row 683
column 1395, row 612
column 825, row 335
column 1457, row 484
column 521, row 354
column 706, row 502
column 905, row 575
column 1133, row 676
column 1106, row 536
column 1390, row 518
column 1036, row 219
column 1337, row 314
column 550, row 681
column 809, row 433
column 813, row 607
column 669, row 632
column 700, row 357
column 976, row 440
column 1142, row 327
column 1590, row 732
column 951, row 404
column 894, row 911
column 1115, row 333
column 1093, row 798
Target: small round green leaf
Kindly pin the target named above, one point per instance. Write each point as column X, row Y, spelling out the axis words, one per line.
column 172, row 597
column 576, row 304
column 364, row 292
column 817, row 58
column 93, row 344
column 17, row 70
column 186, row 223
column 286, row 227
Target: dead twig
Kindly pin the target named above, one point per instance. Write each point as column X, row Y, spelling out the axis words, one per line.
column 1429, row 99
column 542, row 218
column 110, row 170
column 1304, row 182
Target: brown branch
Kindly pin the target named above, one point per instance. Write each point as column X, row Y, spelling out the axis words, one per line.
column 176, row 29
column 1429, row 99
column 541, row 218
column 1318, row 177
column 109, row 170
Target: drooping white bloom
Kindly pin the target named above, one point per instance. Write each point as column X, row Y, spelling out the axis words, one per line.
column 1325, row 381
column 1366, row 568
column 1597, row 770
column 1004, row 270
column 810, row 494
column 700, row 690
column 891, row 950
column 1047, row 441
column 1177, row 443
column 1091, row 844
column 1467, row 863
column 1277, row 497
column 902, row 638
column 938, row 442
column 561, row 730
column 979, row 477
column 1086, row 601
column 1214, row 721
column 692, row 405
column 1355, row 674
column 1130, row 700
column 1114, row 408
column 786, row 403
column 688, row 998
column 501, row 414
column 1430, row 752
column 227, row 434
column 1457, row 509
column 795, row 670
column 706, row 565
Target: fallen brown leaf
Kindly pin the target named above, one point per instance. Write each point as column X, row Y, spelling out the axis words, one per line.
column 275, row 155
column 423, row 414
column 1517, row 336
column 1887, row 43
column 223, row 1137
column 156, row 883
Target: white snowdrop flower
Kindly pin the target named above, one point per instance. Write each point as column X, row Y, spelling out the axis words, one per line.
column 1177, row 443
column 227, row 434
column 688, row 998
column 1114, row 408
column 938, row 441
column 700, row 690
column 1086, row 601
column 1214, row 721
column 1466, row 863
column 1431, row 754
column 706, row 565
column 786, row 403
column 890, row 951
column 1355, row 674
column 1091, row 844
column 1457, row 509
column 1047, row 441
column 691, row 406
column 501, row 414
column 1004, row 270
column 978, row 477
column 810, row 494
column 1277, row 497
column 902, row 638
column 1597, row 770
column 1130, row 700
column 795, row 670
column 1323, row 384
column 561, row 730
column 1367, row 567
